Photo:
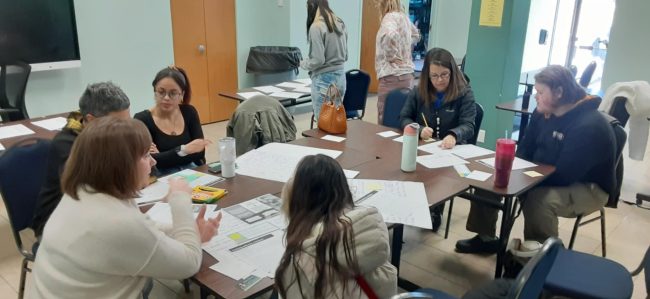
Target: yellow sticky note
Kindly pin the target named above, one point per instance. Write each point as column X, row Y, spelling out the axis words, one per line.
column 373, row 186
column 491, row 13
column 533, row 174
column 235, row 236
column 429, row 140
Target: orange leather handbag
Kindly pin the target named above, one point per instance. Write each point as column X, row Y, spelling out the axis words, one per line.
column 332, row 118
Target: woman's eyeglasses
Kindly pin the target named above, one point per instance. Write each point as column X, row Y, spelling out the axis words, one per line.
column 174, row 95
column 436, row 77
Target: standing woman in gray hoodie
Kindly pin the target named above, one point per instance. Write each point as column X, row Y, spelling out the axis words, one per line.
column 328, row 51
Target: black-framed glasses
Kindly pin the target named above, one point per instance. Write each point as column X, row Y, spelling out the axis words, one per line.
column 161, row 94
column 443, row 76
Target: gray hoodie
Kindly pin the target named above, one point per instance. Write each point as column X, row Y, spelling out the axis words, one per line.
column 328, row 51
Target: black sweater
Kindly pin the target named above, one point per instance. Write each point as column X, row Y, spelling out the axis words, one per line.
column 51, row 193
column 580, row 144
column 168, row 145
column 456, row 117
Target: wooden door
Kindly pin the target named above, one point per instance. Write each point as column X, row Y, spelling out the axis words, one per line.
column 370, row 26
column 221, row 36
column 205, row 45
column 188, row 28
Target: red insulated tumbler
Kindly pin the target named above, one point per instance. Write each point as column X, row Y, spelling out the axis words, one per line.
column 505, row 155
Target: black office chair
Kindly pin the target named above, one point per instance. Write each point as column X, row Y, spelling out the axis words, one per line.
column 585, row 78
column 393, row 106
column 356, row 93
column 621, row 137
column 13, row 82
column 22, row 173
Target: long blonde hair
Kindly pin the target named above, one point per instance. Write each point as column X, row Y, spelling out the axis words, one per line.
column 386, row 6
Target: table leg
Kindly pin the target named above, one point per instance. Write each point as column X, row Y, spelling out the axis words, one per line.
column 396, row 248
column 504, row 234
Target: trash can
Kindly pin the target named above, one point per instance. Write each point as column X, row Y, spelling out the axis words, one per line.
column 271, row 65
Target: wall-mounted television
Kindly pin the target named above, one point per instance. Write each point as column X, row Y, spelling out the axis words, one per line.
column 42, row 33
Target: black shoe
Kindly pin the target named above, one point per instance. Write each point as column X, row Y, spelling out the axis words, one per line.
column 477, row 245
column 436, row 221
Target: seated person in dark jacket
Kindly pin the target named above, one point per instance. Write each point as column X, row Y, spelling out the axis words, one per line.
column 568, row 132
column 443, row 105
column 98, row 100
column 174, row 124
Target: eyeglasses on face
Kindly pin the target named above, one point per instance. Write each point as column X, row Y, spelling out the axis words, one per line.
column 436, row 77
column 161, row 94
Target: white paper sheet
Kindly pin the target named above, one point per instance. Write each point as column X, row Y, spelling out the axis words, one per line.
column 161, row 212
column 232, row 266
column 399, row 139
column 462, row 170
column 277, row 161
column 517, row 164
column 388, row 134
column 290, row 85
column 465, row 151
column 286, row 95
column 194, row 178
column 14, row 131
column 268, row 89
column 333, row 138
column 51, row 124
column 303, row 89
column 350, row 174
column 479, row 175
column 439, row 160
column 2, row 148
column 397, row 201
column 264, row 255
column 306, row 81
column 248, row 95
column 154, row 192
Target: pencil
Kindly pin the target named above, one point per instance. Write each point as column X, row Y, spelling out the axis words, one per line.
column 425, row 120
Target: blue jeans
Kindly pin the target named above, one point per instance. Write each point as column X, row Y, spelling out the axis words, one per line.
column 319, row 85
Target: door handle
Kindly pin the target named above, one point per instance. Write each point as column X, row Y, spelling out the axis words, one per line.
column 201, row 49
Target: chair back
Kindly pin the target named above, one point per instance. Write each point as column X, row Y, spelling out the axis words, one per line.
column 620, row 137
column 356, row 91
column 13, row 82
column 393, row 106
column 477, row 122
column 258, row 121
column 619, row 111
column 585, row 79
column 22, row 173
column 574, row 70
column 530, row 281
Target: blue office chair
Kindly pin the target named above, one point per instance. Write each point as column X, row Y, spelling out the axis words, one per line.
column 528, row 284
column 580, row 275
column 394, row 103
column 585, row 78
column 356, row 93
column 22, row 173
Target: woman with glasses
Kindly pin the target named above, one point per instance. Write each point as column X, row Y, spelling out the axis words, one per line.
column 174, row 124
column 443, row 105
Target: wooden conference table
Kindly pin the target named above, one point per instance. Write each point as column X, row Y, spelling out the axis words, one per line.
column 362, row 136
column 38, row 131
column 286, row 101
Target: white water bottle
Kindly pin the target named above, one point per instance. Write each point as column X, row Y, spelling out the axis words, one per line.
column 410, row 147
column 227, row 153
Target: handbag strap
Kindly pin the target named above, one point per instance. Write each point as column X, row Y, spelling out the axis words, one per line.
column 366, row 287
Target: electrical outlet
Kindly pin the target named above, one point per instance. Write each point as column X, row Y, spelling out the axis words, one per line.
column 481, row 136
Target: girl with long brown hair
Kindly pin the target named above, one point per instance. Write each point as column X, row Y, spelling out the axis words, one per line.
column 330, row 242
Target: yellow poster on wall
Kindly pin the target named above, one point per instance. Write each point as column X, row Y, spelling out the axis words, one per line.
column 491, row 13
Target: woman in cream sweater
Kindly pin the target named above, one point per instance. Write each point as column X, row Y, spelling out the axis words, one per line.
column 97, row 243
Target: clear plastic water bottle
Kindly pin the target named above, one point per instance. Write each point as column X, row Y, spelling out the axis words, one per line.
column 410, row 147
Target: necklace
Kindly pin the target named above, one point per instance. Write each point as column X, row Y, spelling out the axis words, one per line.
column 172, row 123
